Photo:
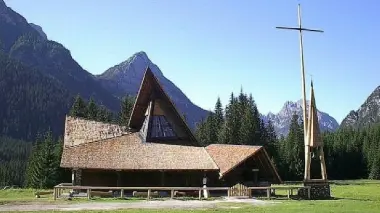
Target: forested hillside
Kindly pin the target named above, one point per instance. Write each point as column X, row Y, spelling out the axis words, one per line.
column 30, row 101
column 13, row 157
column 39, row 80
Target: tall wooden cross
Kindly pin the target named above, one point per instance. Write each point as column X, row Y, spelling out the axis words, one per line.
column 300, row 29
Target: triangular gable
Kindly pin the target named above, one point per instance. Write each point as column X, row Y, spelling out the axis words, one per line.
column 228, row 157
column 153, row 105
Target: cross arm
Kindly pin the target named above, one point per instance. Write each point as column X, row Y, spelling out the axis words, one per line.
column 299, row 29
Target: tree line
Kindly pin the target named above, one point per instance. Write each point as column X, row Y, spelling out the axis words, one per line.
column 37, row 164
column 100, row 113
column 349, row 153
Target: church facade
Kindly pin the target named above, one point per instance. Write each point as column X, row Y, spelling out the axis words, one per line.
column 157, row 149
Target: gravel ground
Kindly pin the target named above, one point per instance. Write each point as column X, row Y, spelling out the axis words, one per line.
column 167, row 204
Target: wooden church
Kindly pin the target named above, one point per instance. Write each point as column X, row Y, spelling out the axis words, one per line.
column 157, row 149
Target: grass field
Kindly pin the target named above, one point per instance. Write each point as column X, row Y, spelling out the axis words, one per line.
column 349, row 196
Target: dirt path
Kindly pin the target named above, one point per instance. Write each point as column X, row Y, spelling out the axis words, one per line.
column 176, row 204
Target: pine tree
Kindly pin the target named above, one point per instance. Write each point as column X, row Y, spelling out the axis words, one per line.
column 247, row 128
column 256, row 120
column 219, row 116
column 104, row 115
column 226, row 134
column 271, row 139
column 49, row 162
column 222, row 136
column 43, row 166
column 34, row 167
column 60, row 172
column 79, row 108
column 243, row 101
column 200, row 133
column 294, row 149
column 92, row 110
column 126, row 109
column 263, row 134
column 211, row 130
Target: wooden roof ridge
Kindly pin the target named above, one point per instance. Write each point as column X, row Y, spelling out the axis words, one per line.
column 149, row 74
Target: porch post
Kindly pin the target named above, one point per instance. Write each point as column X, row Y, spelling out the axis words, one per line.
column 73, row 177
column 162, row 178
column 205, row 191
column 118, row 178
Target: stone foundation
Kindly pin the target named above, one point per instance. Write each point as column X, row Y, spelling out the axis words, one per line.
column 318, row 190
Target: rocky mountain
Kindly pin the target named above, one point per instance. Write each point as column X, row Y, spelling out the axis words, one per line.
column 21, row 41
column 39, row 80
column 281, row 120
column 368, row 113
column 125, row 78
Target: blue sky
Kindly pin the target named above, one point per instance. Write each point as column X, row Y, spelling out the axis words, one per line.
column 212, row 48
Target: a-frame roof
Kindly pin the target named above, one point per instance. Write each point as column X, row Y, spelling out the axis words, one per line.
column 149, row 86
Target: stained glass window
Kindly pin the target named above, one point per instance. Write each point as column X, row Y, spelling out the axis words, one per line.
column 161, row 128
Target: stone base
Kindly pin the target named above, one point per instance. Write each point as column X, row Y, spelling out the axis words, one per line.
column 319, row 190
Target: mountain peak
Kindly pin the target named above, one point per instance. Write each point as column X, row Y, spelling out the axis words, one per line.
column 140, row 57
column 133, row 67
column 290, row 105
column 141, row 54
column 281, row 120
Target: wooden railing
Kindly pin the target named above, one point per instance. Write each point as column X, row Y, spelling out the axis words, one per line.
column 91, row 190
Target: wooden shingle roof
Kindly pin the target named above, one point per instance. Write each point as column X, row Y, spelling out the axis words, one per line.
column 227, row 157
column 128, row 152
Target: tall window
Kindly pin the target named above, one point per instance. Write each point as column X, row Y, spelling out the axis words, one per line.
column 161, row 128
